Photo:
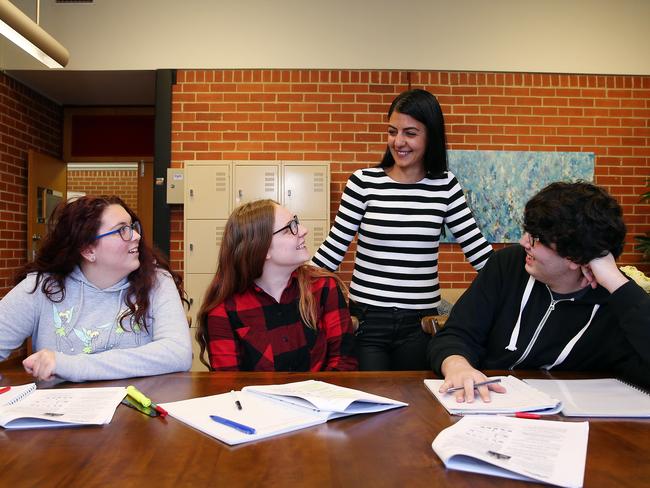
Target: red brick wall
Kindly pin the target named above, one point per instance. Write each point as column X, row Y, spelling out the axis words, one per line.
column 340, row 116
column 27, row 121
column 120, row 182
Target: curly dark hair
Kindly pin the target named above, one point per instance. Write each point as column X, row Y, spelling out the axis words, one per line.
column 72, row 228
column 581, row 219
column 423, row 107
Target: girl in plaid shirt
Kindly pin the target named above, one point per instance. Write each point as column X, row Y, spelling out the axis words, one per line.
column 266, row 310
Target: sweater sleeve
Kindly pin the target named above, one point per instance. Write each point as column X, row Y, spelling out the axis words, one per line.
column 467, row 329
column 346, row 223
column 169, row 351
column 631, row 305
column 336, row 321
column 461, row 222
column 19, row 315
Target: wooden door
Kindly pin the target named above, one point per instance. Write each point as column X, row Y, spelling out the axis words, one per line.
column 46, row 186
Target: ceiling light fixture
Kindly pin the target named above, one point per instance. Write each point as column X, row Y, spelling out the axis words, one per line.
column 29, row 36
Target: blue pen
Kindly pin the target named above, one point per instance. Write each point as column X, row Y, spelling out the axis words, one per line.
column 232, row 424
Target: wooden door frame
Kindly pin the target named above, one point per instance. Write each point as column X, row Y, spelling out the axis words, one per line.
column 32, row 199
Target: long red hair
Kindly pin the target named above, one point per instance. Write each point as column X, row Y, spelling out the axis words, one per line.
column 246, row 241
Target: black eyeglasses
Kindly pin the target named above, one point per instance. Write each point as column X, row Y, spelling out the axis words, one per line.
column 292, row 226
column 533, row 239
column 125, row 232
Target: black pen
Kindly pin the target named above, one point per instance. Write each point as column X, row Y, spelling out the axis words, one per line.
column 237, row 402
column 476, row 385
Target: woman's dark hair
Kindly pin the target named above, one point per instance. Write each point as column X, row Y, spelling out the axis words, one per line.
column 581, row 219
column 423, row 107
column 71, row 229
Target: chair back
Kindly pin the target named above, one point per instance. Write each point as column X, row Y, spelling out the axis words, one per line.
column 431, row 324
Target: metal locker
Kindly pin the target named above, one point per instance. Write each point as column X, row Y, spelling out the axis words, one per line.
column 202, row 242
column 306, row 190
column 253, row 181
column 207, row 191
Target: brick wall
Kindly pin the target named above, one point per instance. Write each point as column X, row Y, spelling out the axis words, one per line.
column 27, row 121
column 121, row 182
column 340, row 116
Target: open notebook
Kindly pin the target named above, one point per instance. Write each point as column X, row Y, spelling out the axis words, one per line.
column 275, row 409
column 25, row 407
column 607, row 397
column 519, row 397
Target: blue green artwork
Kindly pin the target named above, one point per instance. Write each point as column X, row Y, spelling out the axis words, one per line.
column 497, row 184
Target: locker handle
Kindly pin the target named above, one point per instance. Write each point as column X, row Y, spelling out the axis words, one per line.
column 191, row 247
column 240, row 193
column 289, row 193
column 191, row 192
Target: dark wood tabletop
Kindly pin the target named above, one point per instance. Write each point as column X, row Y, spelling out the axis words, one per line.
column 386, row 449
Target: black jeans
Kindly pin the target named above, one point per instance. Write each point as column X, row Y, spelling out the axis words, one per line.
column 390, row 338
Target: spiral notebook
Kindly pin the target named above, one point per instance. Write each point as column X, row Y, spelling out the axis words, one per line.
column 16, row 393
column 607, row 397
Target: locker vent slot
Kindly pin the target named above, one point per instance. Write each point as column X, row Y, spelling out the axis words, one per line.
column 219, row 234
column 319, row 182
column 319, row 234
column 269, row 181
column 220, row 180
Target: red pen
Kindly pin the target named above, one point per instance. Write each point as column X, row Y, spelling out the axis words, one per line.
column 5, row 389
column 527, row 415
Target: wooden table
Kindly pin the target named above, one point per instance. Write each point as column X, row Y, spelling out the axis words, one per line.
column 391, row 448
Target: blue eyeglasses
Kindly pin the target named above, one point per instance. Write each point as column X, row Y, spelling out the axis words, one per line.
column 125, row 232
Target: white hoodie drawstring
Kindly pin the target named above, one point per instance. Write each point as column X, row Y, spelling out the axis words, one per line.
column 567, row 349
column 512, row 345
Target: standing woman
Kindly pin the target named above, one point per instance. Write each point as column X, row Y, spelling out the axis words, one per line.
column 399, row 209
column 98, row 301
column 266, row 310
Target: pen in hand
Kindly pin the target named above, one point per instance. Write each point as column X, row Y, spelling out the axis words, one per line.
column 476, row 385
column 234, row 397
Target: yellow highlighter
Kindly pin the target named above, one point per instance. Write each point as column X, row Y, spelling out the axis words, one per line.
column 139, row 397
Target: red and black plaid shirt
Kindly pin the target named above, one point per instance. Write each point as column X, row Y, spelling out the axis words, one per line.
column 252, row 332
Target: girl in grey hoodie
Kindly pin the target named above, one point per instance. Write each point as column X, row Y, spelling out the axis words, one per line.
column 98, row 301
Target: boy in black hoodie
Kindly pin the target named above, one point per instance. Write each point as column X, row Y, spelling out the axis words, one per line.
column 556, row 301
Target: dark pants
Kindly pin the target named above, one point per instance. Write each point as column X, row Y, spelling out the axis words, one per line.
column 390, row 338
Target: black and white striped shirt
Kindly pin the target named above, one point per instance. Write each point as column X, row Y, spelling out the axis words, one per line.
column 399, row 226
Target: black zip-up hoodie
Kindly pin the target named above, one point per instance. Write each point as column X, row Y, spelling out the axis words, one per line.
column 598, row 331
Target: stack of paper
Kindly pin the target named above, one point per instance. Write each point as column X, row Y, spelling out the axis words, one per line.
column 530, row 450
column 25, row 407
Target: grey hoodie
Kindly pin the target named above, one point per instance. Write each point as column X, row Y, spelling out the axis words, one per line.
column 84, row 332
